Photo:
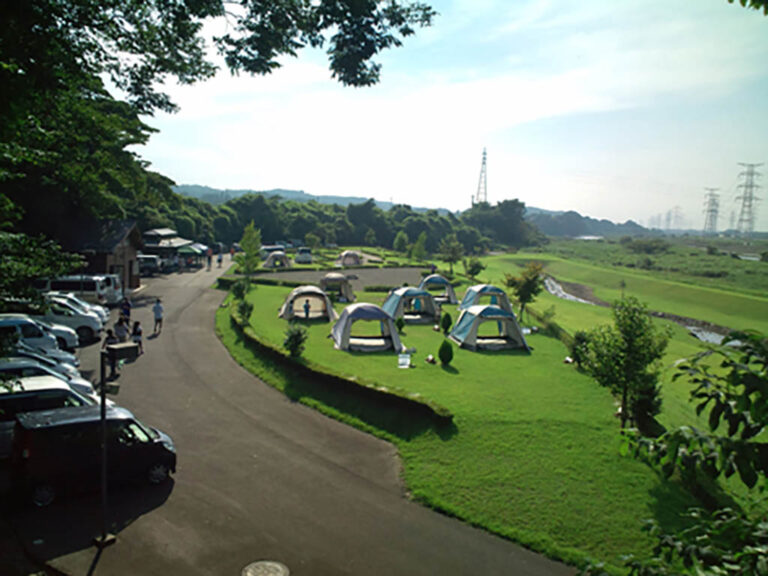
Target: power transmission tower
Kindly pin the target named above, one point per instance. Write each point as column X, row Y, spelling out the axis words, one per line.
column 482, row 185
column 747, row 213
column 711, row 207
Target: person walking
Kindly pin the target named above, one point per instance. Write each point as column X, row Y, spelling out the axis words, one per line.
column 220, row 258
column 209, row 256
column 157, row 310
column 137, row 336
column 125, row 309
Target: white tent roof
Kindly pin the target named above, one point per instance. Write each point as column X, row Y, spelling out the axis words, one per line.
column 448, row 296
column 277, row 260
column 421, row 305
column 320, row 306
column 340, row 283
column 496, row 295
column 465, row 331
column 341, row 331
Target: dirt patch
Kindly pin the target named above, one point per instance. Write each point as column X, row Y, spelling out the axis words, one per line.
column 583, row 292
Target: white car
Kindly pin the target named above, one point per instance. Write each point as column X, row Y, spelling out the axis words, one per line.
column 66, row 338
column 87, row 324
column 27, row 331
column 80, row 304
column 303, row 256
column 24, row 367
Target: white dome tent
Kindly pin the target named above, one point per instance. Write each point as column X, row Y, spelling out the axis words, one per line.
column 350, row 258
column 496, row 297
column 277, row 260
column 506, row 335
column 413, row 304
column 307, row 303
column 435, row 280
column 345, row 340
column 339, row 284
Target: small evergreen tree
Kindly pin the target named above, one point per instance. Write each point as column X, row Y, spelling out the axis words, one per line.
column 245, row 309
column 295, row 336
column 400, row 243
column 399, row 324
column 241, row 287
column 473, row 266
column 445, row 322
column 528, row 285
column 445, row 353
column 250, row 258
column 419, row 248
column 451, row 250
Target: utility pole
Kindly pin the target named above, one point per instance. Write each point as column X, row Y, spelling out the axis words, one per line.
column 747, row 197
column 482, row 185
column 711, row 207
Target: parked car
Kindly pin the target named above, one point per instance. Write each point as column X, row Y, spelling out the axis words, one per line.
column 56, row 451
column 66, row 337
column 149, row 264
column 303, row 256
column 27, row 331
column 25, row 367
column 114, row 285
column 79, row 303
column 87, row 324
column 61, row 367
column 32, row 394
column 55, row 354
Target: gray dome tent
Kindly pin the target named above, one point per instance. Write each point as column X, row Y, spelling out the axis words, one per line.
column 350, row 258
column 496, row 296
column 338, row 283
column 277, row 260
column 413, row 304
column 506, row 335
column 320, row 306
column 342, row 330
column 435, row 280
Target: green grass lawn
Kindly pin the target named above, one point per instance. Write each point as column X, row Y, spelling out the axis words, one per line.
column 534, row 454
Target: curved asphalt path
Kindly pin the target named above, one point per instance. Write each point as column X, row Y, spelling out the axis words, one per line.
column 260, row 477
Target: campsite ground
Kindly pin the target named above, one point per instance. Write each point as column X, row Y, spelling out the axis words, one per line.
column 534, row 454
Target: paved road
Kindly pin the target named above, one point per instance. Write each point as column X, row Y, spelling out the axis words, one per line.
column 259, row 478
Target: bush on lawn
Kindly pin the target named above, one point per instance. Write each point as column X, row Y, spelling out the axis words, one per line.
column 445, row 353
column 240, row 288
column 400, row 324
column 445, row 323
column 295, row 336
column 244, row 310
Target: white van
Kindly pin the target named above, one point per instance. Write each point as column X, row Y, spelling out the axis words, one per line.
column 114, row 288
column 89, row 288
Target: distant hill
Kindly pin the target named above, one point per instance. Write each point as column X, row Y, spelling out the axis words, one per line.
column 573, row 224
column 551, row 223
column 217, row 196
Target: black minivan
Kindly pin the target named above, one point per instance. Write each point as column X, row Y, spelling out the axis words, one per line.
column 56, row 451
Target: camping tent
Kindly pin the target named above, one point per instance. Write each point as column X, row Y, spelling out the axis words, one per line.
column 435, row 280
column 277, row 260
column 507, row 333
column 338, row 283
column 497, row 297
column 342, row 330
column 308, row 302
column 413, row 304
column 350, row 258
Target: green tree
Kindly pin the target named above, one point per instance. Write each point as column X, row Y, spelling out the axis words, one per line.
column 473, row 266
column 451, row 250
column 528, row 285
column 370, row 237
column 312, row 240
column 249, row 259
column 419, row 248
column 445, row 353
column 727, row 541
column 754, row 5
column 295, row 337
column 625, row 358
column 400, row 243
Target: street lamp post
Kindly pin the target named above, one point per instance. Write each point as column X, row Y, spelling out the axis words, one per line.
column 128, row 352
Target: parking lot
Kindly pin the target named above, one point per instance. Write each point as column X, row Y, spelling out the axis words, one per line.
column 258, row 478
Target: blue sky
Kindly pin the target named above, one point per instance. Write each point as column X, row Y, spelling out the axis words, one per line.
column 619, row 110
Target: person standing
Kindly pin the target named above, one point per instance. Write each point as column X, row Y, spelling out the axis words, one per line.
column 306, row 308
column 157, row 310
column 136, row 336
column 110, row 339
column 209, row 255
column 121, row 330
column 125, row 309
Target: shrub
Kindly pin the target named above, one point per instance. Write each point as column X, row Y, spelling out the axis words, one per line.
column 445, row 353
column 579, row 347
column 244, row 310
column 399, row 323
column 295, row 336
column 712, row 250
column 445, row 322
column 240, row 288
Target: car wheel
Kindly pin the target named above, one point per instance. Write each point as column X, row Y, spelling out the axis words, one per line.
column 158, row 473
column 84, row 333
column 43, row 495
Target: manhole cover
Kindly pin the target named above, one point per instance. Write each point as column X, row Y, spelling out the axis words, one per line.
column 265, row 568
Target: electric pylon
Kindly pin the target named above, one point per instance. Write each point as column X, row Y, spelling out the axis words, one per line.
column 711, row 208
column 482, row 185
column 747, row 213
